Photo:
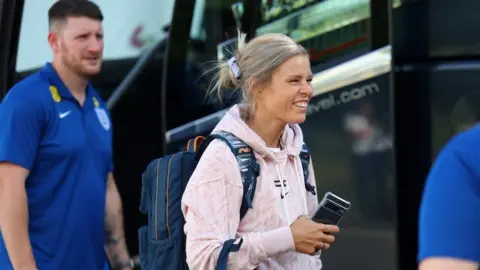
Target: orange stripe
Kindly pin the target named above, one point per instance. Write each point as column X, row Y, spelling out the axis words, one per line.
column 195, row 142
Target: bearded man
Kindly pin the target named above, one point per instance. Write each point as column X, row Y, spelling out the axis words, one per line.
column 59, row 204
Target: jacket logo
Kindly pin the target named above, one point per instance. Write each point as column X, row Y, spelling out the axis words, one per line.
column 279, row 184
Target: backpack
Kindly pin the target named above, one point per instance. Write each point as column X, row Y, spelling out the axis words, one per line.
column 162, row 241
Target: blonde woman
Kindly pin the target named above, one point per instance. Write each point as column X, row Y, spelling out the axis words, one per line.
column 274, row 76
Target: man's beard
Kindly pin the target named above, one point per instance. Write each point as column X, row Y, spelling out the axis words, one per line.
column 75, row 65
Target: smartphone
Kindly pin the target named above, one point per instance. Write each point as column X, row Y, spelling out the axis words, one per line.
column 331, row 209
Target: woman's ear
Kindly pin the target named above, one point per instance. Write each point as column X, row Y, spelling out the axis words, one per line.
column 255, row 87
column 251, row 85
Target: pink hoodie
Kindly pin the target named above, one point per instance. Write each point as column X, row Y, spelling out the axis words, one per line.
column 212, row 199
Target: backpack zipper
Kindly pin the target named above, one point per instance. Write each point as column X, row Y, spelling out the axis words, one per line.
column 166, row 198
column 156, row 199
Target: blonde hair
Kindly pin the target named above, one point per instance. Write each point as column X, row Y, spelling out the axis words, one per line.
column 257, row 60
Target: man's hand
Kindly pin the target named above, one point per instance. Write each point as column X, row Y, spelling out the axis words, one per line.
column 115, row 245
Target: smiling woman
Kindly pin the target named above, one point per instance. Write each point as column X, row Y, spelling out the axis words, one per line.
column 274, row 76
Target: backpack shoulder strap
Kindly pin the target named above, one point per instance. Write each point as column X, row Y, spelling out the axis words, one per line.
column 249, row 168
column 194, row 143
column 305, row 157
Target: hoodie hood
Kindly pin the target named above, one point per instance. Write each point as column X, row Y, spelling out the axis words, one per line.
column 291, row 140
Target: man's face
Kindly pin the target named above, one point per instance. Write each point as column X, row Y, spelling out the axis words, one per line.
column 79, row 45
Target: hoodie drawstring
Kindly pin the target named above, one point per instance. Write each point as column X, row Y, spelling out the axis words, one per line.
column 286, row 212
column 301, row 184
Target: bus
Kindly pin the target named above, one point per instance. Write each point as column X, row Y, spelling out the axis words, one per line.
column 378, row 117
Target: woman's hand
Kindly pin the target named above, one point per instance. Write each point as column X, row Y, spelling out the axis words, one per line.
column 310, row 236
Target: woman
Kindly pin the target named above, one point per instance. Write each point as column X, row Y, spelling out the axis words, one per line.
column 274, row 75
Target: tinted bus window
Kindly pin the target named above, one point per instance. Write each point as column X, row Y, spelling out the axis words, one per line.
column 454, row 101
column 348, row 131
column 329, row 29
column 213, row 23
column 129, row 27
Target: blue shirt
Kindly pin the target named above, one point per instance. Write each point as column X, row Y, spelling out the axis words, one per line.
column 450, row 209
column 68, row 150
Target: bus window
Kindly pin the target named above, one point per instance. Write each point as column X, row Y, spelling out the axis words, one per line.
column 456, row 111
column 348, row 132
column 329, row 29
column 212, row 23
column 332, row 30
column 129, row 27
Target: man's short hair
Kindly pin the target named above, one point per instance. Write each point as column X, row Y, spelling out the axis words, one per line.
column 64, row 9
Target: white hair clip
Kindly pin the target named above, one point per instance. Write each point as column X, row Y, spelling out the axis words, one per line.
column 232, row 62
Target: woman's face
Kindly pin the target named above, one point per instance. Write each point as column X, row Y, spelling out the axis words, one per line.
column 286, row 98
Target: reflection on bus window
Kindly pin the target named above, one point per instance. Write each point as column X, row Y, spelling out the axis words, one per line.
column 453, row 111
column 212, row 23
column 348, row 132
column 129, row 27
column 329, row 29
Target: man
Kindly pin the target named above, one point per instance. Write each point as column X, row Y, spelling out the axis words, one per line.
column 59, row 205
column 449, row 229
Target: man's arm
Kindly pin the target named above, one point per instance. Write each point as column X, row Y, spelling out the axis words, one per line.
column 14, row 216
column 22, row 117
column 449, row 219
column 115, row 245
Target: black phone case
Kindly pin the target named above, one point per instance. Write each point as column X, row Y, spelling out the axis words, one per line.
column 331, row 210
column 325, row 216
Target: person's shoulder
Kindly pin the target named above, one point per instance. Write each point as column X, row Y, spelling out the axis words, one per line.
column 460, row 155
column 454, row 177
column 216, row 153
column 465, row 144
column 217, row 162
column 33, row 89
